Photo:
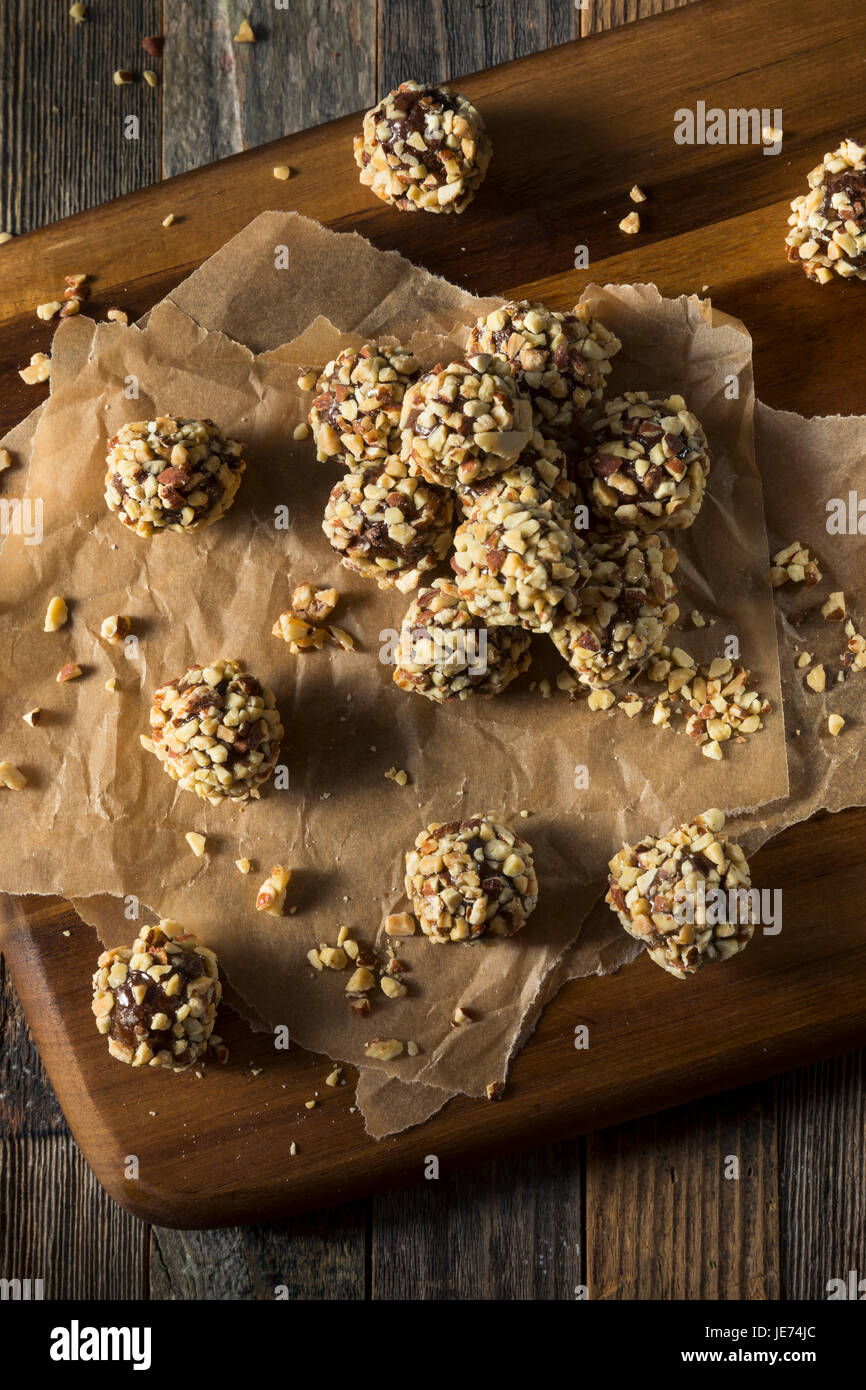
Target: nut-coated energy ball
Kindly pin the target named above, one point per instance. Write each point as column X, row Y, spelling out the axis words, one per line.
column 355, row 414
column 389, row 525
column 559, row 359
column 216, row 731
column 518, row 565
column 171, row 474
column 156, row 1001
column 625, row 608
column 649, row 464
column 446, row 653
column 685, row 895
column 464, row 421
column 471, row 878
column 423, row 148
column 828, row 224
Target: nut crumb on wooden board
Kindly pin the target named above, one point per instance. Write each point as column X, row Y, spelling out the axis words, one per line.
column 399, row 1003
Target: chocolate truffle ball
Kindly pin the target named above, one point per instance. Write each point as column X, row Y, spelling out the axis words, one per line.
column 355, row 415
column 389, row 525
column 446, row 653
column 171, row 474
column 560, row 360
column 541, row 477
column 649, row 464
column 625, row 608
column 518, row 565
column 828, row 224
column 675, row 893
column 423, row 148
column 471, row 878
column 216, row 731
column 156, row 1001
column 464, row 421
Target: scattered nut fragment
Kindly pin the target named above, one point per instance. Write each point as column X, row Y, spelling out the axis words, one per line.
column 817, row 679
column 69, row 672
column 794, row 564
column 5, row 460
column 313, row 605
column 399, row 924
column 243, row 865
column 115, row 628
column 495, row 1090
column 123, row 77
column 77, row 12
column 307, row 380
column 310, row 1104
column 12, row 777
column 115, row 315
column 460, row 1016
column 111, row 684
column 833, row 611
column 361, row 980
column 150, row 77
column 38, row 371
column 383, row 1049
column 196, row 842
column 282, row 172
column 167, row 221
column 637, row 195
column 47, row 310
column 315, row 959
column 412, row 1049
column 56, row 614
column 245, row 33
column 630, row 223
column 299, row 635
column 397, row 775
column 360, row 1007
column 32, row 717
column 334, row 957
column 333, row 1078
column 293, row 1148
column 394, row 989
column 804, row 659
column 835, row 724
column 153, row 44
column 4, row 237
column 301, row 431
column 770, row 134
column 272, row 894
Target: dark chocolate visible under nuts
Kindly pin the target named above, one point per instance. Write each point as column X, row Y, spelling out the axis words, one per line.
column 216, row 731
column 388, row 524
column 446, row 653
column 171, row 474
column 355, row 415
column 423, row 148
column 649, row 465
column 471, row 878
column 156, row 1002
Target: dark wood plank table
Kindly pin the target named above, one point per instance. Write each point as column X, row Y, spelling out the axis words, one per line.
column 639, row 1211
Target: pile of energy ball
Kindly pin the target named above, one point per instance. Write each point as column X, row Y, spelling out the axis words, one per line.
column 499, row 459
column 491, row 464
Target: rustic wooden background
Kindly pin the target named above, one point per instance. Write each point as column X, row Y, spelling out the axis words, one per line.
column 640, row 1211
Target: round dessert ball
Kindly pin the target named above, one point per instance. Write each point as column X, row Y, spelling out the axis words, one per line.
column 560, row 360
column 518, row 566
column 541, row 477
column 625, row 608
column 156, row 1001
column 423, row 148
column 470, row 878
column 216, row 731
column 389, row 525
column 649, row 463
column 464, row 421
column 676, row 894
column 828, row 224
column 355, row 415
column 446, row 653
column 171, row 474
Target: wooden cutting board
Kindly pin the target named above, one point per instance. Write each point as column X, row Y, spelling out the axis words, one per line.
column 573, row 129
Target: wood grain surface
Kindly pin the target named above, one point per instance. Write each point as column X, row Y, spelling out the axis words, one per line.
column 770, row 1232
